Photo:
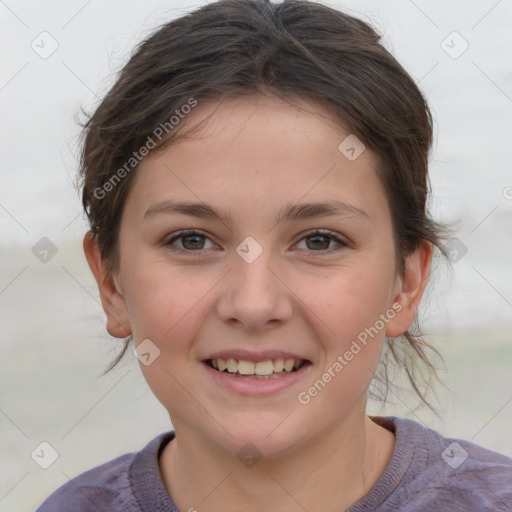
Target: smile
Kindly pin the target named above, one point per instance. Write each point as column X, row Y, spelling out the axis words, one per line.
column 263, row 370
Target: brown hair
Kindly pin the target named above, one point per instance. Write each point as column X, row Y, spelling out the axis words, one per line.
column 291, row 49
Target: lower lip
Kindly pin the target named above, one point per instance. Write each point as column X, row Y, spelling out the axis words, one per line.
column 253, row 387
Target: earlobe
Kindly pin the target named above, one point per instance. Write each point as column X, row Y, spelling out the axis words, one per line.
column 113, row 302
column 411, row 287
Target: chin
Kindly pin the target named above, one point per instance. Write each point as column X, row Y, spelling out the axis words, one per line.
column 258, row 435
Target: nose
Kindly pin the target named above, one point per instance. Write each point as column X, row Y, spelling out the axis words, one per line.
column 254, row 295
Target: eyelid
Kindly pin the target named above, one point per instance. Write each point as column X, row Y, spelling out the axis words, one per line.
column 183, row 233
column 339, row 239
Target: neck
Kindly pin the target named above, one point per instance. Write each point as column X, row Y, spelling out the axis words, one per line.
column 329, row 474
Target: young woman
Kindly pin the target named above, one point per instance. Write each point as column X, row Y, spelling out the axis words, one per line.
column 256, row 186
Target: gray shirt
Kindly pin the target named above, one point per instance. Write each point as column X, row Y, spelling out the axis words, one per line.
column 427, row 472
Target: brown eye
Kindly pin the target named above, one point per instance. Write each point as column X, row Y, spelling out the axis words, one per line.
column 320, row 241
column 194, row 242
column 191, row 241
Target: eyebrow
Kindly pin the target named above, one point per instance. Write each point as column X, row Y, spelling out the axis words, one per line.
column 298, row 211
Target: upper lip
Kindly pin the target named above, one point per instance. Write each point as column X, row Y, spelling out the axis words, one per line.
column 240, row 354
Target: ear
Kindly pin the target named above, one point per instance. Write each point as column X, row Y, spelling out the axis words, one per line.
column 114, row 304
column 410, row 288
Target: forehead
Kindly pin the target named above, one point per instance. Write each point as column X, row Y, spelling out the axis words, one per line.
column 260, row 118
column 257, row 151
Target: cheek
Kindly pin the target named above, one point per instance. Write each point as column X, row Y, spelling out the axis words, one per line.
column 159, row 298
column 351, row 300
column 351, row 307
column 351, row 352
column 164, row 306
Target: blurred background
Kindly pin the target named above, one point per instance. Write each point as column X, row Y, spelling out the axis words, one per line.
column 59, row 57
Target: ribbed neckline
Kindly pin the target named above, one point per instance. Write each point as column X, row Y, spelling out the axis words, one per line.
column 399, row 464
column 146, row 480
column 149, row 489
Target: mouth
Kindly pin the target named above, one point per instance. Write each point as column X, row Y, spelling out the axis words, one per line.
column 257, row 370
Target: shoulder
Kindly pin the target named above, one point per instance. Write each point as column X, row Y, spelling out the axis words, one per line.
column 101, row 488
column 108, row 486
column 453, row 473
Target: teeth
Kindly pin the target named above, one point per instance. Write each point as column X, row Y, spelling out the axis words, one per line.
column 231, row 365
column 288, row 365
column 246, row 367
column 262, row 368
column 279, row 365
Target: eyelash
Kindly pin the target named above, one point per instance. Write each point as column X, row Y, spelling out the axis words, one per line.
column 191, row 232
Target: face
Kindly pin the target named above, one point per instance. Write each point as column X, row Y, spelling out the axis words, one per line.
column 264, row 278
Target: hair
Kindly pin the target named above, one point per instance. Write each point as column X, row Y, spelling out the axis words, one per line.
column 294, row 49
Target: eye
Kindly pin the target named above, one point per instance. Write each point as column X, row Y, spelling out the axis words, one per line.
column 190, row 241
column 194, row 241
column 320, row 240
